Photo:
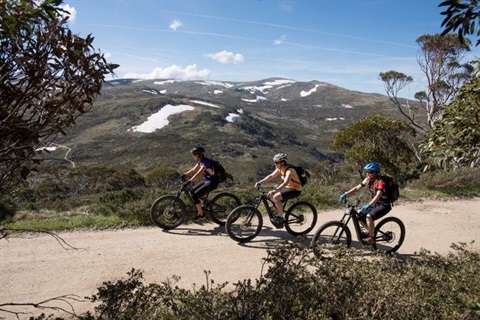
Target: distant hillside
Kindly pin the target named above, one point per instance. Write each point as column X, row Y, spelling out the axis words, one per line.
column 241, row 124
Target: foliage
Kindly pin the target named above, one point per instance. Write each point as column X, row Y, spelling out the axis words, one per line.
column 125, row 178
column 49, row 78
column 381, row 139
column 161, row 177
column 454, row 142
column 128, row 204
column 298, row 285
column 461, row 182
column 439, row 59
column 461, row 16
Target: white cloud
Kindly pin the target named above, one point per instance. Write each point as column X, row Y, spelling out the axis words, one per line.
column 173, row 72
column 72, row 12
column 175, row 24
column 226, row 57
column 280, row 40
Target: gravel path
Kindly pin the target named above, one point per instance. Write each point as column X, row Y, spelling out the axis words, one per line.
column 36, row 267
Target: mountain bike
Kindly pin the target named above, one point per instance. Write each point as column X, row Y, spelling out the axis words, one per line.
column 245, row 222
column 170, row 211
column 388, row 237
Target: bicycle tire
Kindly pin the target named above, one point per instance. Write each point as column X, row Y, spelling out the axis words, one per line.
column 221, row 205
column 300, row 218
column 389, row 235
column 168, row 212
column 330, row 236
column 244, row 223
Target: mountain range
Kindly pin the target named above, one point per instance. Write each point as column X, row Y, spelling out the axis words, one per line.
column 242, row 124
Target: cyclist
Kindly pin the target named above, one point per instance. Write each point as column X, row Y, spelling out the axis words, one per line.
column 209, row 183
column 380, row 204
column 289, row 188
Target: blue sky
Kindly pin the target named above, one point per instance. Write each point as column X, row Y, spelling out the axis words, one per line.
column 343, row 42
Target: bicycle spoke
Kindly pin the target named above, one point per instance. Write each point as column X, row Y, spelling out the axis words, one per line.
column 221, row 206
column 389, row 235
column 300, row 218
column 329, row 237
column 244, row 223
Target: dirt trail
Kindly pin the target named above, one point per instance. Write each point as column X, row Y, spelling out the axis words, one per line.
column 35, row 267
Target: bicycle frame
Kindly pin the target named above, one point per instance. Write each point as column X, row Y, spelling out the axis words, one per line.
column 351, row 214
column 186, row 189
column 268, row 203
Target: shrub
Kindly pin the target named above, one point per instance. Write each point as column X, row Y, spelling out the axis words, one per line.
column 461, row 182
column 161, row 178
column 298, row 285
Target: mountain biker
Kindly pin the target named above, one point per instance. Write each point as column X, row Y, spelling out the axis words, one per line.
column 209, row 183
column 289, row 188
column 380, row 204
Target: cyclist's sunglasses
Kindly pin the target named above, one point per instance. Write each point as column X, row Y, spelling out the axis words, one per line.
column 276, row 161
column 369, row 171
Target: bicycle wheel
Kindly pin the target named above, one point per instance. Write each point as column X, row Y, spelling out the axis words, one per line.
column 331, row 236
column 389, row 235
column 300, row 218
column 244, row 223
column 221, row 205
column 168, row 212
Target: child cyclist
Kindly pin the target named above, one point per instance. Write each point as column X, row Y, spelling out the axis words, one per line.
column 378, row 206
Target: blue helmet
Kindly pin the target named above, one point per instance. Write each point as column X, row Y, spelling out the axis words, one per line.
column 372, row 166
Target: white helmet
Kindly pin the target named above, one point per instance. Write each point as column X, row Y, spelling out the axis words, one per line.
column 280, row 157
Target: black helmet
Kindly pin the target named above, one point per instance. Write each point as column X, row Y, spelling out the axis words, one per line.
column 198, row 150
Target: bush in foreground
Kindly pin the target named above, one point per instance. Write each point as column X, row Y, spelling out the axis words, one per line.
column 298, row 285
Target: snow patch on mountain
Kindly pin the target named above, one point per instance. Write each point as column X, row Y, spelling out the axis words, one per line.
column 216, row 83
column 165, row 82
column 233, row 117
column 159, row 119
column 307, row 93
column 208, row 104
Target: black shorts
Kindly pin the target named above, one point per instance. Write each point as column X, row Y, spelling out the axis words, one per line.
column 380, row 210
column 289, row 193
column 202, row 188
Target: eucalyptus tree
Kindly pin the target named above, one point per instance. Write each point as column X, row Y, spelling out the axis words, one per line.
column 463, row 17
column 454, row 142
column 439, row 60
column 382, row 139
column 48, row 77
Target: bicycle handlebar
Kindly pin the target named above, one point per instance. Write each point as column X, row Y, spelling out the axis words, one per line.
column 350, row 204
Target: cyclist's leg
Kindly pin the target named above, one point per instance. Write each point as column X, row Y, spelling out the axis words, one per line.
column 284, row 195
column 200, row 190
column 376, row 213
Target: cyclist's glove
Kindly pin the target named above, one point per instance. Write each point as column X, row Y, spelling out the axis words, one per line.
column 258, row 184
column 182, row 177
column 366, row 208
column 342, row 197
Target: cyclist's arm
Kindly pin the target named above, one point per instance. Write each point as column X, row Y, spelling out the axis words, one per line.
column 195, row 168
column 355, row 189
column 377, row 197
column 199, row 172
column 286, row 180
column 271, row 176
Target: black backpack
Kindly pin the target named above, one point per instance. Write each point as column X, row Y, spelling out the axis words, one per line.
column 220, row 171
column 303, row 174
column 392, row 191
